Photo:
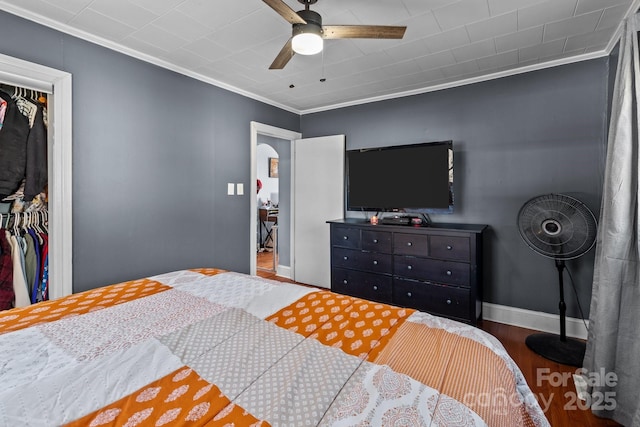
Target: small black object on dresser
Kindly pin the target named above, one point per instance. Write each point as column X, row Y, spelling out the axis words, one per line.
column 435, row 268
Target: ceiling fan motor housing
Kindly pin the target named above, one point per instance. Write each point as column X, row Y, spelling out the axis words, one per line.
column 313, row 25
column 307, row 38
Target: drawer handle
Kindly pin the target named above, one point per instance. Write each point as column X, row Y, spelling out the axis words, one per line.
column 375, row 262
column 375, row 240
column 345, row 258
column 345, row 237
column 449, row 301
column 448, row 272
column 345, row 281
column 409, row 244
column 409, row 294
column 375, row 288
column 449, row 247
column 409, row 267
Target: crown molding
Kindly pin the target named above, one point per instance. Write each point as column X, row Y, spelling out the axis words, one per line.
column 83, row 35
column 67, row 29
column 464, row 82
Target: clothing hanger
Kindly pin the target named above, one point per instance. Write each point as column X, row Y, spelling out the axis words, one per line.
column 23, row 220
column 16, row 224
column 45, row 221
column 35, row 225
column 38, row 221
column 32, row 222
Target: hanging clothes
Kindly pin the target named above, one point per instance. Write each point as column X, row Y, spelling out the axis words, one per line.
column 44, row 269
column 23, row 183
column 35, row 283
column 30, row 261
column 7, row 295
column 36, row 166
column 3, row 110
column 20, row 287
column 13, row 146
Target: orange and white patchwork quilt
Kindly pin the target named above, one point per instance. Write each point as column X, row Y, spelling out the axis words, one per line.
column 207, row 347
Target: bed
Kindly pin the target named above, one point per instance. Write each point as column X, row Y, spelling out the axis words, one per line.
column 212, row 347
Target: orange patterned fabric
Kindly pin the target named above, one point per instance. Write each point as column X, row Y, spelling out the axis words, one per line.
column 460, row 368
column 358, row 327
column 208, row 271
column 180, row 398
column 81, row 303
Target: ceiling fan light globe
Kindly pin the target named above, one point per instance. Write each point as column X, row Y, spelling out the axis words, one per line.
column 307, row 44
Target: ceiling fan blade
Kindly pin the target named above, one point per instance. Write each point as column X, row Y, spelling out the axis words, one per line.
column 286, row 53
column 362, row 32
column 285, row 11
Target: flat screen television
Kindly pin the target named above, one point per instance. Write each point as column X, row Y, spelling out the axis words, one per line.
column 410, row 178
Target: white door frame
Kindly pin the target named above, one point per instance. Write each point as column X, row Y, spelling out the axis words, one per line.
column 17, row 72
column 275, row 132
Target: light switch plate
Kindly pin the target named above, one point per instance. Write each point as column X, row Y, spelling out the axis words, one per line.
column 240, row 189
column 230, row 189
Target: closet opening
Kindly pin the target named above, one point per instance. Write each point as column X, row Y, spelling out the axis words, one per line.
column 24, row 195
column 47, row 214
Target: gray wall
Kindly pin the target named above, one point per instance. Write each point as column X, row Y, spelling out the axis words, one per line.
column 153, row 151
column 514, row 138
column 152, row 154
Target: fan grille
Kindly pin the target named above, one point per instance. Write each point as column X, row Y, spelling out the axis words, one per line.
column 557, row 226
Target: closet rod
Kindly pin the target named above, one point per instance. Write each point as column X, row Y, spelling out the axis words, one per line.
column 24, row 218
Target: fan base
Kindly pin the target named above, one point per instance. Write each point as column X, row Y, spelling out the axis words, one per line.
column 569, row 352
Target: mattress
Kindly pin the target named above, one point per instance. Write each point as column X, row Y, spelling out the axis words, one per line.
column 212, row 347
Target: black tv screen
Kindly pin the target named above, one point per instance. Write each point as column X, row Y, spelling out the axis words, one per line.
column 411, row 178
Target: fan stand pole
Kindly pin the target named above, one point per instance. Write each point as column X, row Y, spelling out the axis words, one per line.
column 560, row 349
column 562, row 305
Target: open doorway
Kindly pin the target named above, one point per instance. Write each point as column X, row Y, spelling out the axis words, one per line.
column 268, row 143
column 268, row 201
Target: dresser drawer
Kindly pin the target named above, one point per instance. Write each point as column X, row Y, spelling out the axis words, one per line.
column 345, row 237
column 376, row 287
column 438, row 299
column 360, row 260
column 376, row 241
column 450, row 247
column 455, row 273
column 410, row 244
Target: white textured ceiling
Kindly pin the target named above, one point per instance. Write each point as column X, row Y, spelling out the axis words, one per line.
column 231, row 43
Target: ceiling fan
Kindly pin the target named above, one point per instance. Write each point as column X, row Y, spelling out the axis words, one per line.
column 308, row 32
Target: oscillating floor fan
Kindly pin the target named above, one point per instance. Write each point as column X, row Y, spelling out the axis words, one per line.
column 562, row 228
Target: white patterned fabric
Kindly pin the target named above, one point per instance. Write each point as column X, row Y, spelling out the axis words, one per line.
column 176, row 278
column 229, row 289
column 377, row 396
column 63, row 395
column 47, row 357
column 297, row 390
column 101, row 332
column 254, row 350
column 221, row 329
column 275, row 298
column 193, row 341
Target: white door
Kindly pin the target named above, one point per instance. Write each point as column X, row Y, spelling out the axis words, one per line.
column 318, row 198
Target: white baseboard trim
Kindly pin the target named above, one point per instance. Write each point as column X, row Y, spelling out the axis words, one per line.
column 529, row 319
column 283, row 271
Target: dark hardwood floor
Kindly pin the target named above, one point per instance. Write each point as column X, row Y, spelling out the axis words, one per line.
column 543, row 377
column 558, row 400
column 264, row 262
